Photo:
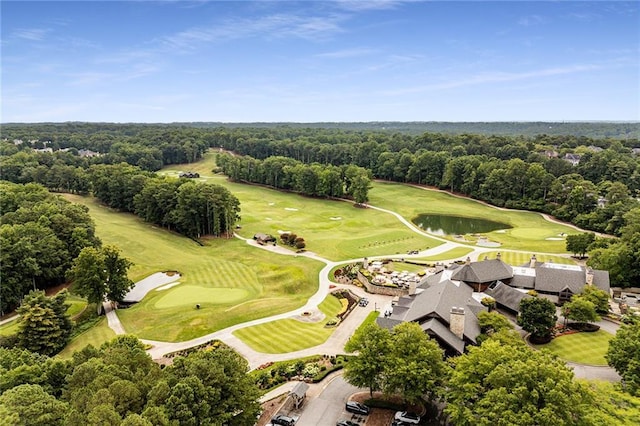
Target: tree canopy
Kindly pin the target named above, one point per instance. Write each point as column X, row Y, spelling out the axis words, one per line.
column 119, row 384
column 404, row 361
column 510, row 384
column 100, row 273
column 44, row 325
column 538, row 317
column 624, row 355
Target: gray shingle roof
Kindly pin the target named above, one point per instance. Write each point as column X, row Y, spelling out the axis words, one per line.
column 523, row 281
column 387, row 323
column 436, row 302
column 443, row 332
column 483, row 272
column 601, row 280
column 506, row 296
column 553, row 280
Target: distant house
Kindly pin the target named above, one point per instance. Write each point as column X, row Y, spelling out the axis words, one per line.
column 87, row 153
column 189, row 175
column 635, row 151
column 594, row 148
column 574, row 159
column 549, row 153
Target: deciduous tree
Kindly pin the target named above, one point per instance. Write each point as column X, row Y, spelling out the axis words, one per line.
column 538, row 317
column 624, row 355
column 502, row 384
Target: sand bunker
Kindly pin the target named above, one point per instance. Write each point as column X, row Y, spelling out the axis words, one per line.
column 152, row 282
column 502, row 231
column 488, row 244
column 336, row 218
column 272, row 204
column 291, row 209
column 168, row 286
column 554, row 239
column 280, row 231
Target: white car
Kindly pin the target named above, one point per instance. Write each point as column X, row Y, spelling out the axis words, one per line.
column 407, row 417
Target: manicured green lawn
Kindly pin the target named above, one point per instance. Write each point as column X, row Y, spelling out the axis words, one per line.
column 255, row 283
column 450, row 254
column 9, row 328
column 335, row 230
column 530, row 230
column 519, row 259
column 583, row 348
column 78, row 304
column 289, row 335
column 95, row 336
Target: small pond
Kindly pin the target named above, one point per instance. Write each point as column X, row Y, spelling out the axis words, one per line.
column 439, row 224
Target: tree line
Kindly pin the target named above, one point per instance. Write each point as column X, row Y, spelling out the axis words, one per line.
column 191, row 208
column 285, row 173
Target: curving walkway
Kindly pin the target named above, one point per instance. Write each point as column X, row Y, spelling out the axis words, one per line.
column 335, row 343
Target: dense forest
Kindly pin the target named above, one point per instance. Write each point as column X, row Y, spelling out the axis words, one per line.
column 591, row 182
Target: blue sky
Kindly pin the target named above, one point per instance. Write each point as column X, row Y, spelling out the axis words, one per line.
column 244, row 61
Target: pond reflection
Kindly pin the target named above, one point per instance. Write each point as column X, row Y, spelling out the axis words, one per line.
column 453, row 225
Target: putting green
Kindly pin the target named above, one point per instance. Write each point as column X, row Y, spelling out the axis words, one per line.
column 190, row 295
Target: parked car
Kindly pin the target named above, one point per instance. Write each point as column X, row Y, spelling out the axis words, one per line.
column 347, row 423
column 407, row 417
column 357, row 408
column 282, row 420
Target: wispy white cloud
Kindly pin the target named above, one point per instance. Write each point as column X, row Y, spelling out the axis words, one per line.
column 531, row 20
column 364, row 5
column 493, row 77
column 347, row 53
column 271, row 26
column 32, row 34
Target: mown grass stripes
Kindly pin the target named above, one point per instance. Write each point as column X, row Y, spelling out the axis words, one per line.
column 519, row 259
column 583, row 348
column 289, row 335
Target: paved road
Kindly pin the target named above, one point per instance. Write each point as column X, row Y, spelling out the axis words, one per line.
column 328, row 406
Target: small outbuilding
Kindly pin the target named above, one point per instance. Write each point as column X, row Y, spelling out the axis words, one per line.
column 298, row 394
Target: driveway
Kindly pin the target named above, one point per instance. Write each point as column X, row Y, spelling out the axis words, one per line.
column 328, row 407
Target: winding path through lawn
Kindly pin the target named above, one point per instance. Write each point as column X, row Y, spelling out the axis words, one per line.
column 335, row 343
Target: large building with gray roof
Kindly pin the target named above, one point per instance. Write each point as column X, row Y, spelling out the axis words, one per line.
column 446, row 304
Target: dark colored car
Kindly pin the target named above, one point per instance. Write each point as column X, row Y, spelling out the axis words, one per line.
column 282, row 420
column 357, row 408
column 347, row 423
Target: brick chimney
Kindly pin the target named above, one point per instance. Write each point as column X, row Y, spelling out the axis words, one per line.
column 532, row 263
column 498, row 256
column 412, row 288
column 589, row 276
column 467, row 261
column 365, row 263
column 456, row 321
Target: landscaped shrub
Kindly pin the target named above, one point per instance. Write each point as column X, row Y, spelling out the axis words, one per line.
column 333, row 322
column 310, row 370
